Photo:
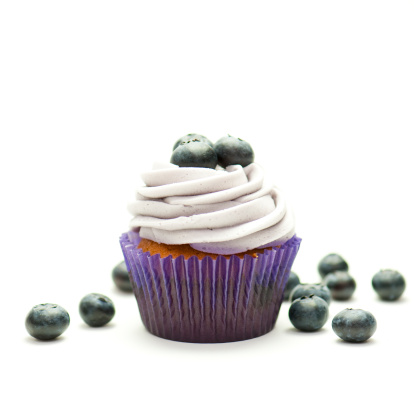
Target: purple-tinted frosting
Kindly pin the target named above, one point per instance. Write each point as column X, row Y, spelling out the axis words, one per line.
column 215, row 211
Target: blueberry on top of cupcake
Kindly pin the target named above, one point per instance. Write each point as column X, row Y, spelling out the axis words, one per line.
column 232, row 151
column 194, row 153
column 195, row 150
column 192, row 137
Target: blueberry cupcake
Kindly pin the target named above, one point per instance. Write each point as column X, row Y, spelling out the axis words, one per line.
column 211, row 244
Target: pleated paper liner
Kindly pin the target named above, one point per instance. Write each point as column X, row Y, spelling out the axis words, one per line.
column 209, row 301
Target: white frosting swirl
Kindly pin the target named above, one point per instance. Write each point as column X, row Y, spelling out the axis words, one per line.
column 215, row 211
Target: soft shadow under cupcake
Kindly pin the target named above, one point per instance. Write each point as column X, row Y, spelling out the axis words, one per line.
column 166, row 345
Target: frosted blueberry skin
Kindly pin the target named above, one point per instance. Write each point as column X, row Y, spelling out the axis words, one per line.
column 331, row 263
column 354, row 325
column 120, row 276
column 292, row 282
column 308, row 313
column 233, row 151
column 191, row 137
column 194, row 154
column 341, row 285
column 47, row 321
column 307, row 289
column 96, row 310
column 389, row 284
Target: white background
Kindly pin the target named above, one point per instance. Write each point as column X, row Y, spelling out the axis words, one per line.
column 91, row 92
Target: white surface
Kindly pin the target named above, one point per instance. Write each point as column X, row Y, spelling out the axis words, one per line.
column 93, row 91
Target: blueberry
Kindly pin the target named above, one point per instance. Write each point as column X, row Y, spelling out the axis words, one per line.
column 191, row 137
column 308, row 313
column 306, row 289
column 232, row 151
column 354, row 325
column 341, row 284
column 194, row 154
column 331, row 263
column 96, row 309
column 291, row 283
column 120, row 276
column 47, row 321
column 389, row 284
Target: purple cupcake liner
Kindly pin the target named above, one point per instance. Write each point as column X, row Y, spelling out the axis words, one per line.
column 209, row 300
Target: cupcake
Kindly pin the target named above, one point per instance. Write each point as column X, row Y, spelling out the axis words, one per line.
column 211, row 244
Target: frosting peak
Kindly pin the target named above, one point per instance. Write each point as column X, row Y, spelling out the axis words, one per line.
column 215, row 211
